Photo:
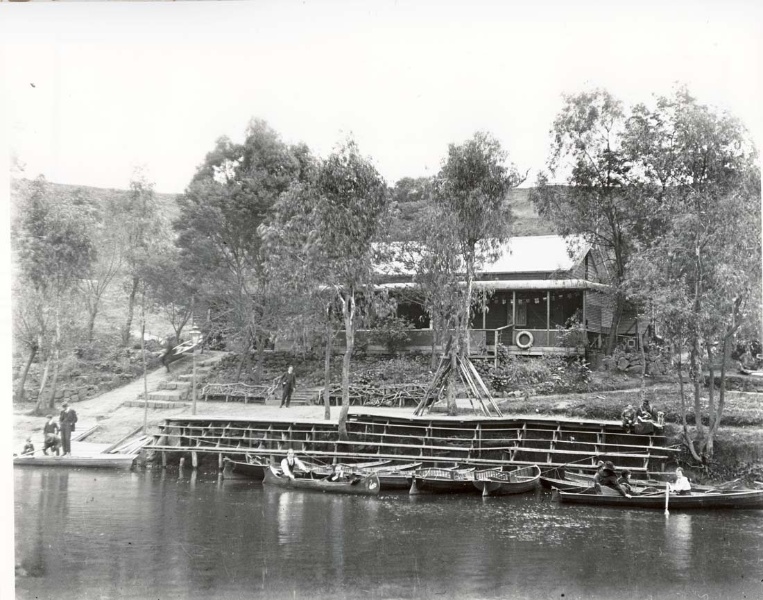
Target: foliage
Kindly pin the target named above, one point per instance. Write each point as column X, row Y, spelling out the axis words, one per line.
column 391, row 332
column 598, row 202
column 702, row 278
column 219, row 234
column 572, row 334
column 543, row 375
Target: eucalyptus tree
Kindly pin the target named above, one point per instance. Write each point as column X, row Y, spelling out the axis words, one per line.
column 53, row 252
column 218, row 230
column 596, row 201
column 141, row 229
column 325, row 245
column 471, row 190
column 702, row 277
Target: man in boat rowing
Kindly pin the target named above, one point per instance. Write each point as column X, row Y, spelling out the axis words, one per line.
column 608, row 477
column 290, row 463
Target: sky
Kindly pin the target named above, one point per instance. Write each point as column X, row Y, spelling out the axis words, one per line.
column 91, row 91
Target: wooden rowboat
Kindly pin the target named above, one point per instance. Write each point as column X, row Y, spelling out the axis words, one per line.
column 396, row 477
column 575, row 482
column 253, row 468
column 365, row 486
column 91, row 461
column 443, row 481
column 694, row 500
column 493, row 482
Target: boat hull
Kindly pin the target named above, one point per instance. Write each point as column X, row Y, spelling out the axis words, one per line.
column 105, row 461
column 233, row 469
column 364, row 486
column 442, row 481
column 506, row 483
column 714, row 500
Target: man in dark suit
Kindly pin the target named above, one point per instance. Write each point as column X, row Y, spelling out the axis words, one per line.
column 67, row 421
column 288, row 383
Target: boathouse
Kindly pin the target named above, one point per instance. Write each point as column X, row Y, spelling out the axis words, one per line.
column 537, row 285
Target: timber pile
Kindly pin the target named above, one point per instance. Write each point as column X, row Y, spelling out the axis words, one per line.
column 371, row 395
column 476, row 390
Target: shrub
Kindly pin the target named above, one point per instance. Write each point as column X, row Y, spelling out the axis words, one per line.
column 391, row 332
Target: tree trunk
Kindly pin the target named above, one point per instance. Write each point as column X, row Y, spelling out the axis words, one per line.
column 696, row 366
column 348, row 312
column 468, row 309
column 92, row 313
column 710, row 395
column 39, row 408
column 20, row 390
column 260, row 359
column 617, row 316
column 643, row 358
column 327, row 372
column 130, row 311
column 57, row 360
column 242, row 362
column 687, row 438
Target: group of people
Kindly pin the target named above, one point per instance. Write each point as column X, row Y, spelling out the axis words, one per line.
column 57, row 435
column 643, row 420
column 607, row 476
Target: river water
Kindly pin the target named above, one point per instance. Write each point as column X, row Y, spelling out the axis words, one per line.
column 164, row 535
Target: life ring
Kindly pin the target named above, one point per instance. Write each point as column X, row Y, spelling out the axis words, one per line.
column 528, row 343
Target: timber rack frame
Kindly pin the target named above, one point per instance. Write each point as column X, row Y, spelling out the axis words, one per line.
column 476, row 441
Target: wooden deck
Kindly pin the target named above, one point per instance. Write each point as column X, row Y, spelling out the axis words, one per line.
column 548, row 442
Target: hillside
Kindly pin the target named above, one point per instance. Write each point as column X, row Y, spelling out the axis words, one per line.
column 527, row 221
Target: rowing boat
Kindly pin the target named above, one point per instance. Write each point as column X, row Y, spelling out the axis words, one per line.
column 492, row 482
column 575, row 482
column 693, row 500
column 366, row 486
column 253, row 468
column 90, row 461
column 444, row 481
column 396, row 477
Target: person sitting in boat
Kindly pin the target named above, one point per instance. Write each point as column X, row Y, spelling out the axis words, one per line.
column 629, row 418
column 607, row 476
column 52, row 441
column 682, row 485
column 291, row 463
column 28, row 447
column 624, row 481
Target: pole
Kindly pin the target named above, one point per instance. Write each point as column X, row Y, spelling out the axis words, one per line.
column 145, row 377
column 667, row 498
column 193, row 409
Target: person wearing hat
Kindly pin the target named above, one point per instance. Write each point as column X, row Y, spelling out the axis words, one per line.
column 682, row 484
column 50, row 433
column 608, row 477
column 67, row 421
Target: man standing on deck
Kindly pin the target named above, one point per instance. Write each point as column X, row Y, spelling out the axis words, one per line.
column 67, row 421
column 288, row 383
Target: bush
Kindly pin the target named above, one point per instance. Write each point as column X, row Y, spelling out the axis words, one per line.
column 392, row 333
column 544, row 375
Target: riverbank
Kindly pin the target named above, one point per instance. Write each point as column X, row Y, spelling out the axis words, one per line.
column 738, row 450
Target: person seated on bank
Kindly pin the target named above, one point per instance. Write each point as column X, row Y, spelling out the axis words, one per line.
column 291, row 463
column 646, row 421
column 629, row 418
column 52, row 441
column 28, row 448
column 607, row 476
column 682, row 485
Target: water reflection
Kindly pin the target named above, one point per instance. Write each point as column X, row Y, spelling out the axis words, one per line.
column 678, row 540
column 154, row 534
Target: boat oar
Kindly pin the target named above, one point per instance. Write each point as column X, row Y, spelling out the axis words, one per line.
column 667, row 498
column 566, row 464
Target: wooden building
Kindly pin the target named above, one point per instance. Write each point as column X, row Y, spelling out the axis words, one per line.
column 536, row 285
